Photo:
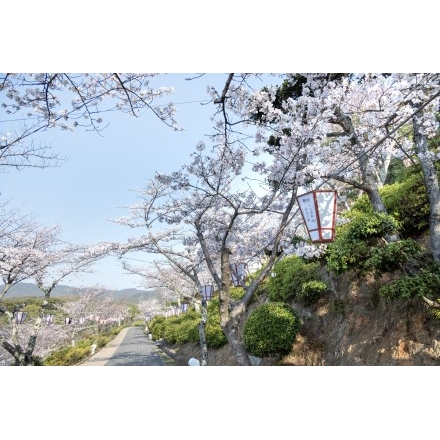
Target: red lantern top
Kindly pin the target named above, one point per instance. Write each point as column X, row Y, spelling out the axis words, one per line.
column 318, row 209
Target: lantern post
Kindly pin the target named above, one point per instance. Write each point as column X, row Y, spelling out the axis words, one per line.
column 318, row 209
column 207, row 292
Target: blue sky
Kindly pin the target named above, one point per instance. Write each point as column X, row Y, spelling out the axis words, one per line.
column 93, row 184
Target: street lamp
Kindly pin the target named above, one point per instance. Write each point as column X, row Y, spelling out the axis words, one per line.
column 238, row 273
column 20, row 317
column 318, row 209
column 207, row 292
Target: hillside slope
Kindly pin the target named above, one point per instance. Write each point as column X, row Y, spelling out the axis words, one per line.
column 354, row 327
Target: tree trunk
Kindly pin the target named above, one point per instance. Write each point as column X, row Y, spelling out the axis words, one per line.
column 234, row 336
column 369, row 182
column 225, row 286
column 230, row 322
column 432, row 188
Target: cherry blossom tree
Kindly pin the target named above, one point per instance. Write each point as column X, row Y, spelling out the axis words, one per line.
column 171, row 284
column 200, row 215
column 92, row 308
column 22, row 245
column 39, row 255
column 149, row 309
column 425, row 127
column 35, row 102
column 358, row 123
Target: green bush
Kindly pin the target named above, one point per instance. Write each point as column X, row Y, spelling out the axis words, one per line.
column 185, row 327
column 58, row 357
column 189, row 331
column 425, row 283
column 171, row 330
column 271, row 330
column 311, row 291
column 236, row 292
column 76, row 355
column 215, row 336
column 289, row 276
column 82, row 350
column 360, row 246
column 406, row 201
column 157, row 327
column 102, row 340
column 67, row 356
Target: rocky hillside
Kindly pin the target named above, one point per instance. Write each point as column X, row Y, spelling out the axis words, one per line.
column 352, row 326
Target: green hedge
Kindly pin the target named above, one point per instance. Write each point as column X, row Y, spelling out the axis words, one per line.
column 82, row 350
column 185, row 327
column 271, row 329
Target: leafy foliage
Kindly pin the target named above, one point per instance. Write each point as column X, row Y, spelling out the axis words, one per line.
column 294, row 279
column 406, row 201
column 311, row 291
column 184, row 328
column 74, row 355
column 271, row 329
column 425, row 283
column 360, row 246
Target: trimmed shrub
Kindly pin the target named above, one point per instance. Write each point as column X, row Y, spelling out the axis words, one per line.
column 76, row 355
column 215, row 336
column 185, row 328
column 271, row 330
column 157, row 327
column 289, row 276
column 67, row 356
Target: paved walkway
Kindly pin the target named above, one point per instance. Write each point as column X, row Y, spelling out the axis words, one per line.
column 131, row 347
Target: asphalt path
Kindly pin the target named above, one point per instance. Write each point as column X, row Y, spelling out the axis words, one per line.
column 131, row 347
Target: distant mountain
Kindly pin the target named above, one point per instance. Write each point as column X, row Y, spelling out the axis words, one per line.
column 131, row 295
column 134, row 295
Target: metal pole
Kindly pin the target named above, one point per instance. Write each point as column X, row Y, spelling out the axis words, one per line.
column 202, row 334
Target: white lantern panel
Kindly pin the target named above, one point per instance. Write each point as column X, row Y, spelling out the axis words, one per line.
column 326, row 206
column 307, row 205
column 314, row 235
column 327, row 234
